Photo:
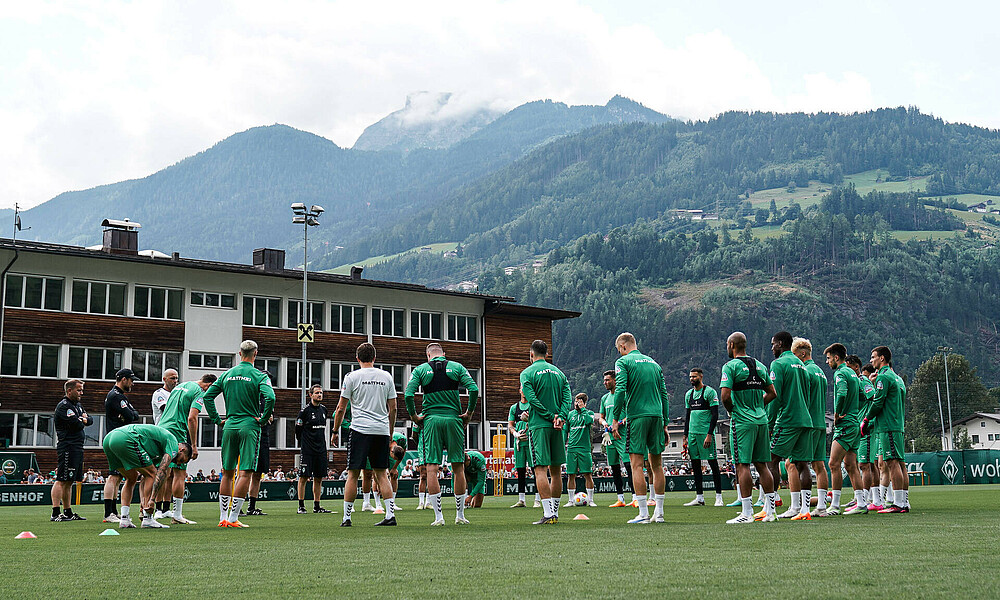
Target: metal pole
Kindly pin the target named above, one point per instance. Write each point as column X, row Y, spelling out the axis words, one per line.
column 947, row 391
column 940, row 413
column 305, row 289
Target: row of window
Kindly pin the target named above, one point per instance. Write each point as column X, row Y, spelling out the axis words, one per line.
column 40, row 360
column 96, row 297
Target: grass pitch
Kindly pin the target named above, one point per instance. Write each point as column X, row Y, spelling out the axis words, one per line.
column 947, row 547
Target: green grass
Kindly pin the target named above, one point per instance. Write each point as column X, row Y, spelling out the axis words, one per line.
column 434, row 248
column 866, row 182
column 926, row 235
column 947, row 548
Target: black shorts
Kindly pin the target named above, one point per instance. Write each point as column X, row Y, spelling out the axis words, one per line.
column 70, row 464
column 264, row 456
column 364, row 448
column 313, row 465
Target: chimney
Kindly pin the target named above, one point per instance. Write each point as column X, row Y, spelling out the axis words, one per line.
column 356, row 273
column 269, row 259
column 120, row 237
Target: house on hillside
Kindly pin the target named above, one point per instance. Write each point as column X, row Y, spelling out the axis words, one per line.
column 979, row 208
column 984, row 430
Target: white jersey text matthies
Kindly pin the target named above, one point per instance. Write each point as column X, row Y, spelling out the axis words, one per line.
column 160, row 397
column 369, row 390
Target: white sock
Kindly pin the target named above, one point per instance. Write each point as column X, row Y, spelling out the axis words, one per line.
column 718, row 496
column 898, row 499
column 760, row 492
column 883, row 495
column 796, row 501
column 378, row 500
column 700, row 497
column 555, row 507
column 234, row 514
column 367, row 496
column 658, row 498
column 776, row 496
column 348, row 509
column 390, row 508
column 460, row 505
column 869, row 496
column 224, row 502
column 537, row 497
column 178, row 505
column 820, row 498
column 520, row 497
column 859, row 497
column 747, row 506
column 546, row 508
column 738, row 494
column 436, row 505
column 835, row 503
column 769, row 500
column 621, row 498
column 124, row 512
column 423, row 498
column 806, row 495
column 590, row 495
column 906, row 498
column 643, row 509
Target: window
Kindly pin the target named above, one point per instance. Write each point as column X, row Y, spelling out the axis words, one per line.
column 45, row 430
column 425, row 325
column 338, row 371
column 92, row 433
column 398, row 372
column 387, row 321
column 472, row 436
column 28, row 429
column 462, row 328
column 982, row 423
column 269, row 366
column 149, row 365
column 98, row 297
column 975, row 439
column 989, row 437
column 27, row 291
column 196, row 360
column 347, row 319
column 156, row 303
column 262, row 312
column 293, row 373
column 208, row 433
column 94, row 363
column 474, row 373
column 290, row 440
column 213, row 299
column 315, row 314
column 29, row 360
column 6, row 430
column 25, row 430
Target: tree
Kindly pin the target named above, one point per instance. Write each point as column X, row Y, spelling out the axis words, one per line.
column 968, row 394
column 746, row 236
column 962, row 440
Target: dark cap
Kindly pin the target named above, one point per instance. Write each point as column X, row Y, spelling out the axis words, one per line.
column 124, row 374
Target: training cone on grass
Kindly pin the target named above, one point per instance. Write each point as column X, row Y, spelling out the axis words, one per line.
column 581, row 517
column 109, row 532
column 25, row 535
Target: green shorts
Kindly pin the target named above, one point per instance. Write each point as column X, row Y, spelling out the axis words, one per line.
column 616, row 452
column 240, row 447
column 579, row 461
column 793, row 443
column 546, row 447
column 849, row 438
column 890, row 445
column 696, row 447
column 864, row 448
column 182, row 438
column 124, row 452
column 440, row 434
column 750, row 443
column 819, row 445
column 476, row 483
column 522, row 458
column 645, row 436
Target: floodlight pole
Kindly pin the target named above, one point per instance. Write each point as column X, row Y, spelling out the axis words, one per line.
column 947, row 393
column 305, row 297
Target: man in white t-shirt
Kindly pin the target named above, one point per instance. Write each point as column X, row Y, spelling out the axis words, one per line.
column 160, row 396
column 371, row 393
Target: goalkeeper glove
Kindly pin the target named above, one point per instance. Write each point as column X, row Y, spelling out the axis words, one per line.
column 606, row 440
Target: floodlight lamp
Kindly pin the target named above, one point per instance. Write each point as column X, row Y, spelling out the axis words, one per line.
column 312, row 221
column 298, row 219
column 316, row 210
column 298, row 207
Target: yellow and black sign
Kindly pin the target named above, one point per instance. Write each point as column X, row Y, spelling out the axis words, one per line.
column 307, row 332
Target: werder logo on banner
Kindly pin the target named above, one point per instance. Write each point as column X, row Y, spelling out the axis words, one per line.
column 291, row 492
column 949, row 469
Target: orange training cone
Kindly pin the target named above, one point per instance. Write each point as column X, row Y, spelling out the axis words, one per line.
column 581, row 517
column 25, row 535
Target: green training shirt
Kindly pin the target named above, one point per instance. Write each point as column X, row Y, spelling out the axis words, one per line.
column 578, row 429
column 514, row 415
column 788, row 374
column 846, row 396
column 816, row 394
column 887, row 404
column 547, row 391
column 477, row 462
column 748, row 405
column 154, row 440
column 639, row 388
column 608, row 408
column 241, row 387
column 444, row 402
column 175, row 412
column 700, row 402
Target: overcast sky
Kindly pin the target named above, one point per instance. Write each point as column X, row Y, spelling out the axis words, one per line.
column 97, row 92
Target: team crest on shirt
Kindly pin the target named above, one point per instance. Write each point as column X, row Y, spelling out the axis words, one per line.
column 837, row 379
column 772, row 376
column 70, row 413
column 124, row 404
column 878, row 385
column 725, row 377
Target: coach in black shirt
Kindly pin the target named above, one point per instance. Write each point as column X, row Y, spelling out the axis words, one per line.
column 310, row 428
column 118, row 412
column 71, row 419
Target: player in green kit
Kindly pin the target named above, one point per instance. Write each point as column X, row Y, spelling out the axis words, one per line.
column 180, row 417
column 846, row 422
column 887, row 406
column 579, row 449
column 816, row 386
column 517, row 426
column 641, row 396
column 421, row 469
column 746, row 390
column 242, row 388
column 547, row 391
column 145, row 450
column 397, row 451
column 442, row 420
column 792, row 437
column 475, row 476
column 614, row 448
column 702, row 404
